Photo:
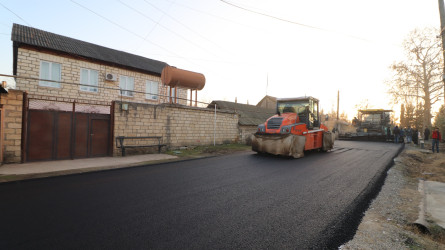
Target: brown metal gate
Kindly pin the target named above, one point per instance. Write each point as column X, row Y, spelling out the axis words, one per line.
column 58, row 130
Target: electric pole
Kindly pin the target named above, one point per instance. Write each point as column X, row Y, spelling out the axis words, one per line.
column 338, row 104
column 442, row 35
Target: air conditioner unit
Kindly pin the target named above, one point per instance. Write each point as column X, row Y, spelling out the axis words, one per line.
column 110, row 77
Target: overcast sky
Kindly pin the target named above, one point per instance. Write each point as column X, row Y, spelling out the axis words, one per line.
column 287, row 48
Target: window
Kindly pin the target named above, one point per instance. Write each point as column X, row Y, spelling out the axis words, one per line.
column 151, row 90
column 50, row 71
column 89, row 77
column 126, row 84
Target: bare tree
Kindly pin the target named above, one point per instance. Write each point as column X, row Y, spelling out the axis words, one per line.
column 364, row 104
column 417, row 79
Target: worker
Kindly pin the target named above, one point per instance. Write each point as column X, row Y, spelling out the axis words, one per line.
column 388, row 133
column 409, row 135
column 436, row 138
column 415, row 136
column 396, row 133
column 426, row 134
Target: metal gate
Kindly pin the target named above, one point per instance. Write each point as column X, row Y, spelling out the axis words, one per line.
column 67, row 129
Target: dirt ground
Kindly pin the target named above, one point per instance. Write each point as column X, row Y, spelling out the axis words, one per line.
column 388, row 223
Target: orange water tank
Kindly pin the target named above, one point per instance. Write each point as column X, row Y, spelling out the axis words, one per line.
column 175, row 77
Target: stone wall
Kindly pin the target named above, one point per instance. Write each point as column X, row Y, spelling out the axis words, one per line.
column 178, row 125
column 246, row 133
column 28, row 65
column 12, row 126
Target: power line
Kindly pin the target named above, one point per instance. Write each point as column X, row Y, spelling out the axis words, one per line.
column 122, row 27
column 15, row 14
column 134, row 91
column 180, row 36
column 152, row 29
column 296, row 23
column 99, row 87
column 182, row 24
column 212, row 15
column 137, row 35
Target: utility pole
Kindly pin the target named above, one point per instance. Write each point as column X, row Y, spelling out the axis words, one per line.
column 338, row 104
column 442, row 35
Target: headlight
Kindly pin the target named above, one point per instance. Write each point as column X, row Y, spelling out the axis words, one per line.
column 285, row 129
column 261, row 128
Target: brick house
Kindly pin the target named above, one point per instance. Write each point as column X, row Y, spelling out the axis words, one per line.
column 71, row 95
column 70, row 62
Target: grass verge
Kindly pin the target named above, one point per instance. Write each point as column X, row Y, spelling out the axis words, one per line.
column 199, row 151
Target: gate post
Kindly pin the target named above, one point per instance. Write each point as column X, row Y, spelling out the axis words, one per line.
column 25, row 107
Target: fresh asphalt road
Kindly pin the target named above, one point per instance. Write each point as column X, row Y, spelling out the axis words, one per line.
column 236, row 201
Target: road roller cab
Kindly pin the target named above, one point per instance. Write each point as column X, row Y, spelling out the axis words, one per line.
column 294, row 129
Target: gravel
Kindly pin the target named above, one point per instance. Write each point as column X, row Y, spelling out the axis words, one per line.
column 387, row 222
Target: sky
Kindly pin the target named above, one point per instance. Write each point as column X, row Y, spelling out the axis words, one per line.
column 245, row 48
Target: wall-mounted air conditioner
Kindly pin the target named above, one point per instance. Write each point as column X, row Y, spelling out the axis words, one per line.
column 110, row 77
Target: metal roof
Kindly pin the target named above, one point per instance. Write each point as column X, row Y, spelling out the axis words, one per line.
column 301, row 98
column 35, row 37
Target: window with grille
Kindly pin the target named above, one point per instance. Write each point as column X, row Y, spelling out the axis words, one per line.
column 50, row 71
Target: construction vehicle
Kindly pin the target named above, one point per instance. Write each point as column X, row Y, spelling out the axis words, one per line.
column 294, row 129
column 370, row 125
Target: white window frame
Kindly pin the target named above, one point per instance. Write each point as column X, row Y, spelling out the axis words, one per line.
column 50, row 84
column 151, row 90
column 125, row 90
column 91, row 87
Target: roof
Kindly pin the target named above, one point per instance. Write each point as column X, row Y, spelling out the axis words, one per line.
column 249, row 114
column 266, row 100
column 375, row 111
column 296, row 98
column 35, row 37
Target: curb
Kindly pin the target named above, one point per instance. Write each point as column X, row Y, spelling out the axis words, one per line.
column 26, row 177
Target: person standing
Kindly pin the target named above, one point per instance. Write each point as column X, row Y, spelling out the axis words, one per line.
column 409, row 134
column 426, row 134
column 396, row 133
column 402, row 135
column 416, row 136
column 436, row 138
column 388, row 133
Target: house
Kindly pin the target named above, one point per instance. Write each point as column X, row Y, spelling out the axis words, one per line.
column 268, row 102
column 249, row 117
column 76, row 69
column 73, row 98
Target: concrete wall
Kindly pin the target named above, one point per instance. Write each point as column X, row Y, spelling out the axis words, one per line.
column 28, row 65
column 178, row 125
column 12, row 126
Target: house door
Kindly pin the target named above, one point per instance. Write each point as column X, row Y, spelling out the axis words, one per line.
column 99, row 137
column 92, row 135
